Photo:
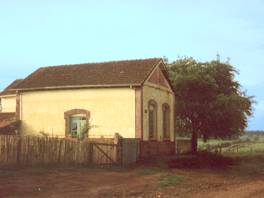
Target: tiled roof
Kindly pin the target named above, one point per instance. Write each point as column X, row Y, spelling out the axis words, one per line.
column 7, row 119
column 115, row 73
column 10, row 89
column 8, row 124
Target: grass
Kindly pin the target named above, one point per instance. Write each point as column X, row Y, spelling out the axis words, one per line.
column 244, row 149
column 168, row 179
column 150, row 171
column 247, row 155
column 234, row 147
column 247, row 167
column 202, row 160
column 212, row 142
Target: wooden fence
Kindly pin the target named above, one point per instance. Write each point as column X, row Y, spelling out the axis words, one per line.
column 33, row 150
column 28, row 150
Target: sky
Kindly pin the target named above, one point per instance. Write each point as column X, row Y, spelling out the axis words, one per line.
column 35, row 33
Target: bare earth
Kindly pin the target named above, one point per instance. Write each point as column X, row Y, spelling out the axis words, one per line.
column 139, row 181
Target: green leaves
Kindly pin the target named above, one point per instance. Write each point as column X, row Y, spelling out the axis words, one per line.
column 209, row 97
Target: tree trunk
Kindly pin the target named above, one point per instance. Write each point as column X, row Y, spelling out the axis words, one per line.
column 194, row 142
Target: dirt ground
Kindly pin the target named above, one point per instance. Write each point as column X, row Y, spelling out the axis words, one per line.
column 245, row 180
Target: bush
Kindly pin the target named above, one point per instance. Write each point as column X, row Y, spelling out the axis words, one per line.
column 202, row 160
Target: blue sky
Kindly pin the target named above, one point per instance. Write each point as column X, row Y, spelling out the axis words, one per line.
column 40, row 33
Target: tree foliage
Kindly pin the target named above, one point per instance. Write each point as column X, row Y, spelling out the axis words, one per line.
column 209, row 101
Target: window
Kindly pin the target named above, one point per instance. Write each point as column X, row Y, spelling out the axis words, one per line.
column 166, row 121
column 77, row 125
column 152, row 112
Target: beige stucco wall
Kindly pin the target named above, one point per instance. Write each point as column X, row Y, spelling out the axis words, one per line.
column 161, row 95
column 112, row 110
column 8, row 103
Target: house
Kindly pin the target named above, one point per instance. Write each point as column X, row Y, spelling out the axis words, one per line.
column 8, row 121
column 133, row 98
column 8, row 98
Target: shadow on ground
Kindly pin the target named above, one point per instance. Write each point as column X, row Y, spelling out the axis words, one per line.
column 202, row 160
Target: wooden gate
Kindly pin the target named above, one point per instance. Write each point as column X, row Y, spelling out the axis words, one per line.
column 105, row 153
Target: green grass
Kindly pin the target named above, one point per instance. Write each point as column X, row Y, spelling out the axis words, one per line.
column 248, row 167
column 249, row 147
column 245, row 149
column 168, row 179
column 212, row 142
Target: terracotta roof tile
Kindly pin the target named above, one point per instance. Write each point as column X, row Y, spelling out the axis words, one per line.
column 132, row 72
column 10, row 89
column 7, row 119
column 8, row 124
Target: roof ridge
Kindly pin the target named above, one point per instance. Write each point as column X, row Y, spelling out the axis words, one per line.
column 92, row 74
column 102, row 62
column 13, row 83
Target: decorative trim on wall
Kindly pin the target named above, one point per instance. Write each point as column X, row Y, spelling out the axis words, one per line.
column 158, row 78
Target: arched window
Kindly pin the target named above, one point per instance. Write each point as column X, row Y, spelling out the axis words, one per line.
column 166, row 121
column 76, row 122
column 152, row 115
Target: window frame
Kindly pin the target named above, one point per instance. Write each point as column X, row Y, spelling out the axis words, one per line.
column 73, row 113
column 166, row 123
column 76, row 119
column 155, row 122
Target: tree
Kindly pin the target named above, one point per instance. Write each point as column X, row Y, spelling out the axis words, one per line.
column 209, row 101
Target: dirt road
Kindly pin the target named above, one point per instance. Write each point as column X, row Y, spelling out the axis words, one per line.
column 245, row 180
column 246, row 190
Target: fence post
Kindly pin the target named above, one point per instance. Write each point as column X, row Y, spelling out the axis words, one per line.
column 90, row 145
column 18, row 149
column 119, row 145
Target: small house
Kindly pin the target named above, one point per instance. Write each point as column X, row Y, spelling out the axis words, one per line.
column 133, row 98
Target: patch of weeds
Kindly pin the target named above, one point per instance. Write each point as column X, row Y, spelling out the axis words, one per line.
column 246, row 167
column 201, row 160
column 38, row 171
column 118, row 169
column 13, row 196
column 247, row 170
column 39, row 189
column 171, row 180
column 150, row 171
column 7, row 173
